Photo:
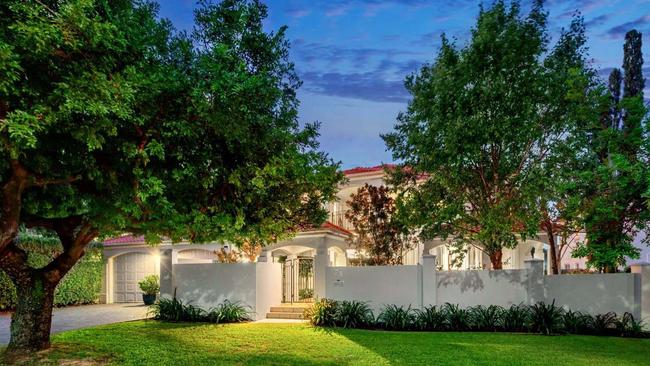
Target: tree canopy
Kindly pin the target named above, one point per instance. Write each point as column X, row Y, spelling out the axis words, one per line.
column 482, row 121
column 112, row 121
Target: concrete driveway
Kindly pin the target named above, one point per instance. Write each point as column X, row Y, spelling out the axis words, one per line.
column 75, row 317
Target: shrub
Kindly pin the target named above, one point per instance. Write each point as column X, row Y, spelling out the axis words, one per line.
column 322, row 313
column 630, row 327
column 228, row 312
column 457, row 318
column 575, row 322
column 175, row 310
column 486, row 318
column 545, row 318
column 354, row 314
column 515, row 318
column 394, row 317
column 431, row 318
column 149, row 285
column 604, row 324
column 305, row 293
column 81, row 285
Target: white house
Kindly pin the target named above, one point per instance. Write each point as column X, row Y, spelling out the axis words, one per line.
column 128, row 259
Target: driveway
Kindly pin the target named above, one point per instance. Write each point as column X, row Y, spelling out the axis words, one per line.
column 75, row 317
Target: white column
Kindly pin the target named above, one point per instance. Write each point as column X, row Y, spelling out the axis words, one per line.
column 535, row 269
column 429, row 280
column 321, row 261
column 166, row 273
column 643, row 272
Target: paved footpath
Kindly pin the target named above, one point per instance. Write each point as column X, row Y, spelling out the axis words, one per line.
column 75, row 317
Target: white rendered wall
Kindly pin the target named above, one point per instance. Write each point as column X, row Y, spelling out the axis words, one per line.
column 377, row 285
column 594, row 293
column 209, row 284
column 268, row 287
column 469, row 288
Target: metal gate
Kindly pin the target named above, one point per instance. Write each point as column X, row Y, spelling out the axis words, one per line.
column 298, row 280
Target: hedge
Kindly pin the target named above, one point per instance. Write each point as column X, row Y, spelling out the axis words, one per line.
column 81, row 285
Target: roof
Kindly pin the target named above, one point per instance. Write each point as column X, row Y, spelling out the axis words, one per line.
column 372, row 169
column 125, row 239
column 330, row 226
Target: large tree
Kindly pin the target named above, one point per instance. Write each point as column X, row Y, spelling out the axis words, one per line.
column 112, row 122
column 614, row 181
column 482, row 121
column 378, row 236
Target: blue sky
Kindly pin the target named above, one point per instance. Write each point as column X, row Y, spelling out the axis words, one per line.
column 353, row 55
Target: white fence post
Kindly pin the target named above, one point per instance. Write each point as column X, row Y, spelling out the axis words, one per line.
column 536, row 292
column 429, row 280
column 643, row 296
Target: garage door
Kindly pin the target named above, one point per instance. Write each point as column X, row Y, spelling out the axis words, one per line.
column 130, row 269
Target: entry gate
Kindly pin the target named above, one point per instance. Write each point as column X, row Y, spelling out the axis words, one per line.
column 298, row 280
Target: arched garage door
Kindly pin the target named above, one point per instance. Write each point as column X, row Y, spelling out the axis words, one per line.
column 130, row 269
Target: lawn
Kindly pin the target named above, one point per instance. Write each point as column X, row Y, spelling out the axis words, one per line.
column 154, row 343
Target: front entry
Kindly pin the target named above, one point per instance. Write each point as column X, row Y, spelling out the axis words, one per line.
column 298, row 280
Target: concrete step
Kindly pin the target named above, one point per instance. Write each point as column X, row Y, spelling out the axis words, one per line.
column 277, row 315
column 288, row 309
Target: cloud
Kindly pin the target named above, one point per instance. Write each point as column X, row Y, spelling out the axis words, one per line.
column 333, row 55
column 620, row 30
column 383, row 84
column 599, row 20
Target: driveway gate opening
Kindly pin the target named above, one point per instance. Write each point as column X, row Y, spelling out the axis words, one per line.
column 298, row 280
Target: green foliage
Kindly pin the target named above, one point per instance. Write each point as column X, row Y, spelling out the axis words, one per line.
column 228, row 312
column 322, row 313
column 393, row 317
column 472, row 149
column 604, row 324
column 575, row 322
column 150, row 285
column 81, row 285
column 487, row 318
column 305, row 293
column 612, row 178
column 459, row 319
column 379, row 235
column 431, row 318
column 175, row 310
column 627, row 326
column 515, row 318
column 354, row 314
column 545, row 318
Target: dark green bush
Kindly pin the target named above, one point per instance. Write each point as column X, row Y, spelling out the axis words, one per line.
column 81, row 285
column 604, row 324
column 515, row 318
column 323, row 313
column 630, row 327
column 545, row 318
column 354, row 314
column 575, row 322
column 229, row 312
column 486, row 318
column 174, row 310
column 431, row 318
column 458, row 319
column 394, row 317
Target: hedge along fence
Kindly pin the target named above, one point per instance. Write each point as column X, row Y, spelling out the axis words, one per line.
column 81, row 285
column 540, row 318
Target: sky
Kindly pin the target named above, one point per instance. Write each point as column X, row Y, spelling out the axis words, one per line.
column 353, row 55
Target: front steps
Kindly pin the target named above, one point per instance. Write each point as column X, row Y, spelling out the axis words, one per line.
column 287, row 311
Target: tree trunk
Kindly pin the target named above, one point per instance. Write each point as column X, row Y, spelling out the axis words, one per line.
column 31, row 322
column 495, row 259
column 555, row 258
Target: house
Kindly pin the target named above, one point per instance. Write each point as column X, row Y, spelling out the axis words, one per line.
column 128, row 258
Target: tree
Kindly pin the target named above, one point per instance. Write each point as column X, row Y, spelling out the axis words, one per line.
column 377, row 233
column 482, row 122
column 614, row 181
column 111, row 122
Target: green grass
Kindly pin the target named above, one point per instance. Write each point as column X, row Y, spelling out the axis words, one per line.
column 155, row 343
